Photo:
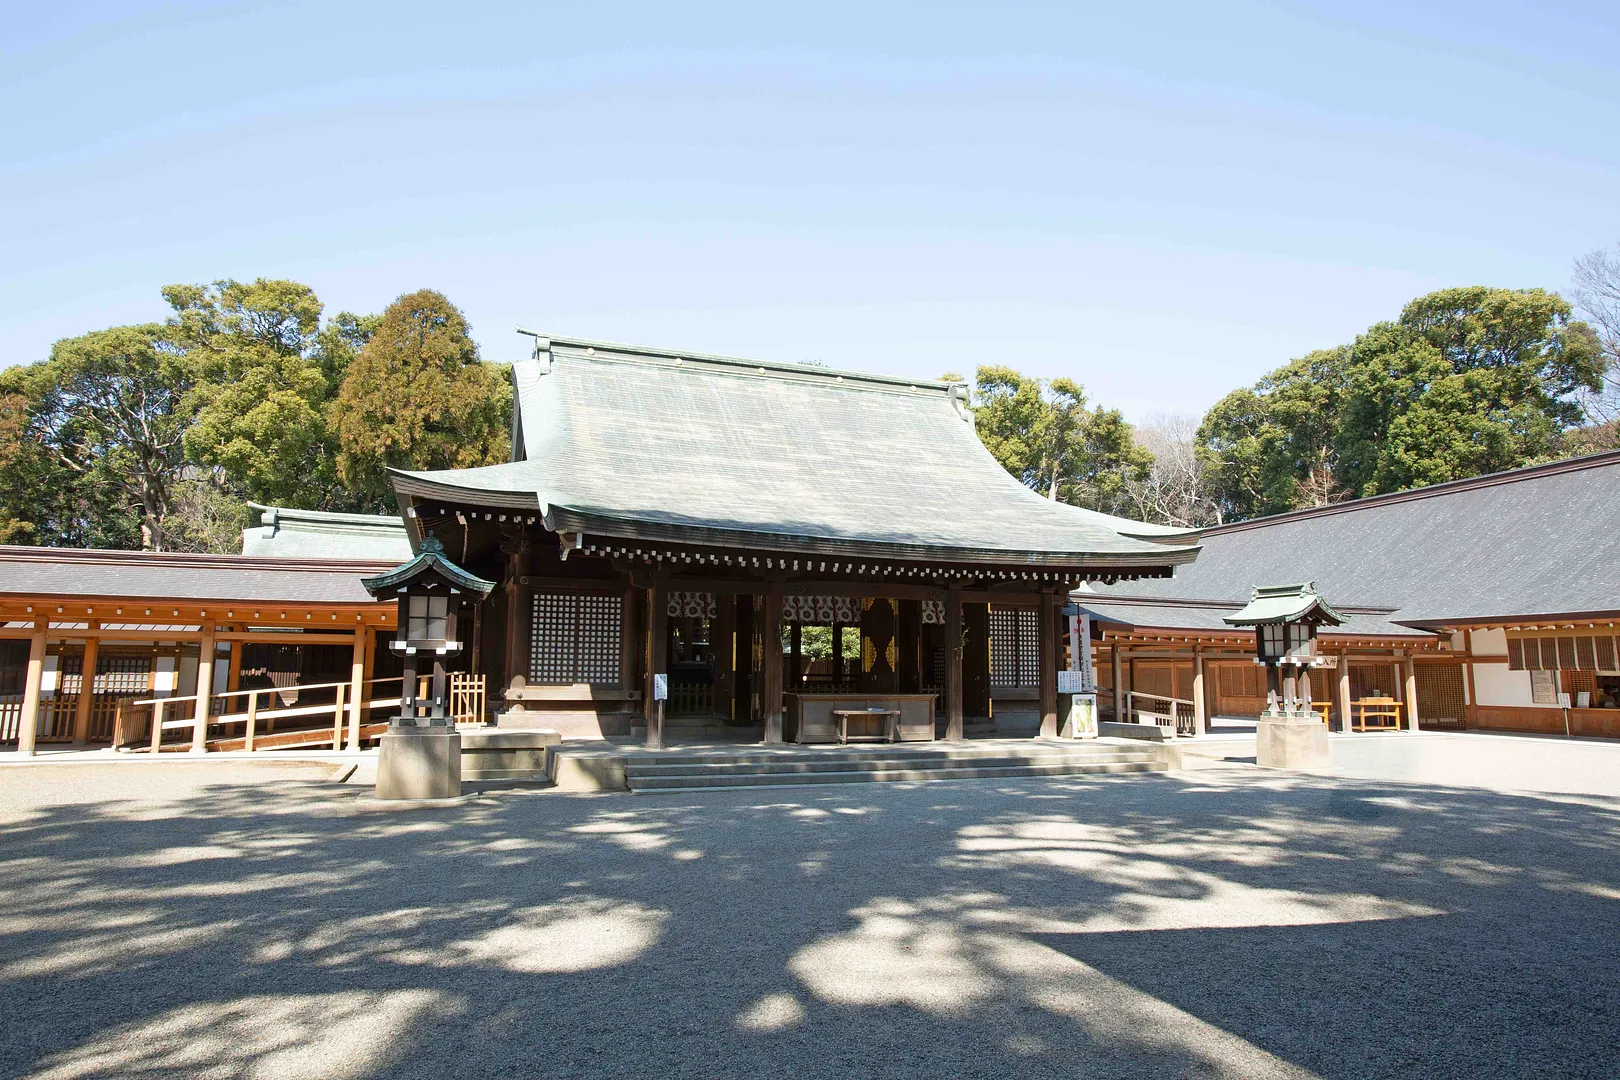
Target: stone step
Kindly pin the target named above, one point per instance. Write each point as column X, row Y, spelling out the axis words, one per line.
column 886, row 752
column 944, row 771
column 881, row 763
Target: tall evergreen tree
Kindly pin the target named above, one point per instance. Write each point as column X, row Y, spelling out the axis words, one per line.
column 417, row 397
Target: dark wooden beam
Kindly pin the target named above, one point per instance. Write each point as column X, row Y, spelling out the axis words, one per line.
column 953, row 665
column 1048, row 650
column 770, row 693
column 657, row 659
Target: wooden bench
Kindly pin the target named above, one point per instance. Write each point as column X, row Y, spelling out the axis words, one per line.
column 891, row 724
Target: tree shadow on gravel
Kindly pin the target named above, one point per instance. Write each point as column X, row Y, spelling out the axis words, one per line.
column 1208, row 925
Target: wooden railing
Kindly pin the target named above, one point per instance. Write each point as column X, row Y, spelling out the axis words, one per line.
column 466, row 698
column 1162, row 710
column 253, row 714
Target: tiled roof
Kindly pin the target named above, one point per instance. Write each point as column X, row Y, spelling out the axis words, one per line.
column 131, row 575
column 1539, row 541
column 1154, row 614
column 320, row 534
column 630, row 442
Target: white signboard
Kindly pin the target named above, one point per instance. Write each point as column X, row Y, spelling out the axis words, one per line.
column 1070, row 682
column 660, row 687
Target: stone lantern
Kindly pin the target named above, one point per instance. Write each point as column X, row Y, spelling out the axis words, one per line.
column 1285, row 619
column 420, row 755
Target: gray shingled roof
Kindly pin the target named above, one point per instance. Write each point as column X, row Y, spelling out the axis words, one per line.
column 623, row 441
column 1538, row 541
column 319, row 534
column 1147, row 614
column 134, row 575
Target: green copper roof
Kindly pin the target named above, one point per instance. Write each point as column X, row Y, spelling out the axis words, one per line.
column 622, row 441
column 1284, row 603
column 430, row 560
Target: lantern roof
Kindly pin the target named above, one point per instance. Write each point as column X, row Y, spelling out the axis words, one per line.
column 1272, row 604
column 430, row 563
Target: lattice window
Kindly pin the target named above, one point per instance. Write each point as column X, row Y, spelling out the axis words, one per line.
column 574, row 638
column 1440, row 693
column 821, row 610
column 1014, row 648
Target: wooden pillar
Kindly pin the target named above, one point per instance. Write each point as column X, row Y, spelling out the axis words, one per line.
column 1116, row 662
column 28, row 723
column 1200, row 708
column 516, row 550
column 657, row 658
column 233, row 678
column 87, row 692
column 723, row 640
column 1412, row 721
column 205, row 689
column 1344, row 691
column 357, row 687
column 770, row 692
column 796, row 667
column 953, row 663
column 1047, row 649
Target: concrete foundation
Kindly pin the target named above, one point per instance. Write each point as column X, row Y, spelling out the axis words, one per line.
column 419, row 763
column 507, row 754
column 1291, row 742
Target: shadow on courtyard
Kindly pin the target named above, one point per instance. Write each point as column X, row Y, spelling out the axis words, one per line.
column 1218, row 924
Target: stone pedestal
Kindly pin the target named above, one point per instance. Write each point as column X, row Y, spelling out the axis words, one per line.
column 419, row 763
column 1291, row 742
column 1080, row 721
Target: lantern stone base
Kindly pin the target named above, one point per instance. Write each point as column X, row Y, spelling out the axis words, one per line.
column 419, row 763
column 1291, row 742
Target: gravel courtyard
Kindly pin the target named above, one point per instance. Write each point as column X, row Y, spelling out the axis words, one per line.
column 247, row 919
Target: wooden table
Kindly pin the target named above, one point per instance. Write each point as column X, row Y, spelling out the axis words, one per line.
column 1376, row 714
column 891, row 724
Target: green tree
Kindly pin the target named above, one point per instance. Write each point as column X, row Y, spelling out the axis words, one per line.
column 266, row 374
column 108, row 412
column 1272, row 447
column 417, row 397
column 1043, row 434
column 1467, row 381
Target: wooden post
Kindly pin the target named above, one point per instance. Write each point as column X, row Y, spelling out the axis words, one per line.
column 516, row 550
column 1047, row 650
column 1200, row 709
column 205, row 690
column 252, row 719
column 357, row 686
column 953, row 663
column 233, row 679
column 28, row 723
column 657, row 658
column 1344, row 692
column 1411, row 695
column 1116, row 663
column 796, row 667
column 87, row 692
column 157, row 724
column 770, row 689
column 337, row 717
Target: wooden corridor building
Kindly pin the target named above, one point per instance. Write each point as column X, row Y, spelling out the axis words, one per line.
column 1491, row 603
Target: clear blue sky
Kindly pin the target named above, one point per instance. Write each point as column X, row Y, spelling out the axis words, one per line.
column 1163, row 201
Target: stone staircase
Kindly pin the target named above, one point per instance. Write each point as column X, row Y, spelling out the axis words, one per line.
column 676, row 771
